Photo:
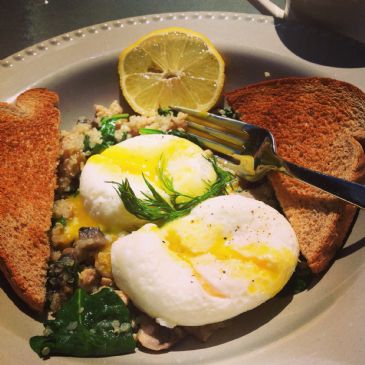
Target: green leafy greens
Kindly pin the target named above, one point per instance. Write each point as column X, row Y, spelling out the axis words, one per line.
column 61, row 220
column 107, row 129
column 62, row 278
column 155, row 208
column 166, row 111
column 301, row 278
column 88, row 325
column 228, row 112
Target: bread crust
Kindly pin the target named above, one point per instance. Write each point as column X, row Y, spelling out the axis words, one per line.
column 318, row 123
column 29, row 150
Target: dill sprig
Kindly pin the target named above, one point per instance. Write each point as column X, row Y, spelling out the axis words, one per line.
column 156, row 208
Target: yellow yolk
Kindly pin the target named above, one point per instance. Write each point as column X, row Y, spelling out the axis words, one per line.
column 263, row 265
column 80, row 218
column 229, row 255
column 141, row 159
column 167, row 162
column 190, row 237
column 103, row 261
column 185, row 240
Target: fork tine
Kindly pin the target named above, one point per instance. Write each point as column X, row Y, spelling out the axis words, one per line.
column 231, row 124
column 222, row 136
column 236, row 168
column 224, row 152
column 215, row 146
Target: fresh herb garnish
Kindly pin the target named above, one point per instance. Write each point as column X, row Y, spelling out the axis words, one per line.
column 61, row 220
column 88, row 325
column 172, row 132
column 107, row 130
column 166, row 111
column 228, row 112
column 150, row 131
column 155, row 208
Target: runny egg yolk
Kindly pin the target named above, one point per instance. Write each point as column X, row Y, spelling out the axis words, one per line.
column 198, row 244
column 80, row 218
column 229, row 255
column 180, row 159
column 169, row 163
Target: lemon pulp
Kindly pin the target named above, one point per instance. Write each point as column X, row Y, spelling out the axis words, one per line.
column 173, row 66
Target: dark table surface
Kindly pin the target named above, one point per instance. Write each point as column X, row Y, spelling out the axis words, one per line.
column 26, row 22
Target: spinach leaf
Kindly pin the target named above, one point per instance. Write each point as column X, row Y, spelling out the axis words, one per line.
column 166, row 111
column 87, row 146
column 62, row 280
column 61, row 220
column 228, row 112
column 88, row 325
column 300, row 280
column 107, row 130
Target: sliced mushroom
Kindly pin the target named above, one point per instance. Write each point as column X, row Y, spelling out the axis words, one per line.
column 155, row 337
column 91, row 233
column 69, row 251
column 91, row 240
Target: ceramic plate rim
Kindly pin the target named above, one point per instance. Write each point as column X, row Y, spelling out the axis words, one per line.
column 14, row 66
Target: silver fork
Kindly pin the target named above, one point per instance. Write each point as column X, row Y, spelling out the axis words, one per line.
column 250, row 151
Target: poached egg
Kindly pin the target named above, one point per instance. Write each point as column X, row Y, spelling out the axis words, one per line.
column 229, row 255
column 182, row 161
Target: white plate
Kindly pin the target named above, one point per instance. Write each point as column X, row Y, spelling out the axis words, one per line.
column 324, row 325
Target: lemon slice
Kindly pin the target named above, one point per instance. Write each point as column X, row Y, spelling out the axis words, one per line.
column 172, row 66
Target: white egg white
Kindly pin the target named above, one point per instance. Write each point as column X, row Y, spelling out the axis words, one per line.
column 229, row 255
column 184, row 162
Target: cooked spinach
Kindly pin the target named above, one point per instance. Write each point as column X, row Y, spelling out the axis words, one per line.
column 61, row 220
column 107, row 130
column 87, row 146
column 88, row 325
column 166, row 111
column 62, row 280
column 300, row 280
column 228, row 112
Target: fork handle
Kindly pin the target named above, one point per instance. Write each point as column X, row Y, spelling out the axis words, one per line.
column 351, row 192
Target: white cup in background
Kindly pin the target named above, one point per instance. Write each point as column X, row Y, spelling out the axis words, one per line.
column 341, row 16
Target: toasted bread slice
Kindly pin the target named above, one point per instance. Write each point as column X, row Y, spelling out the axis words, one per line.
column 29, row 150
column 318, row 123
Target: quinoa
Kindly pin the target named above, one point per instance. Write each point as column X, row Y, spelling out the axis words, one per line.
column 94, row 270
column 103, row 111
column 73, row 151
column 62, row 208
column 77, row 146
